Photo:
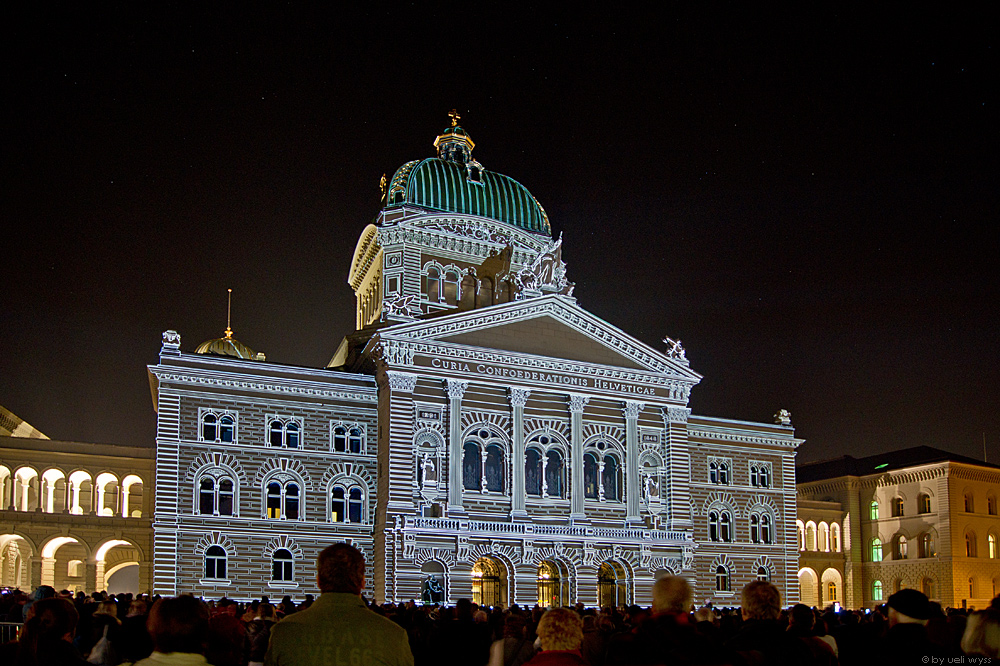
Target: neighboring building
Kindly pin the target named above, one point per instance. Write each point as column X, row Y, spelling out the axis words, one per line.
column 75, row 516
column 480, row 435
column 918, row 518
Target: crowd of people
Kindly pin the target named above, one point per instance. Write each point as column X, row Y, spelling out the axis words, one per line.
column 340, row 627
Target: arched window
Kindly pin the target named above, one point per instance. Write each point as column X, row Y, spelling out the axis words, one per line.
column 468, row 294
column 831, row 591
column 610, row 478
column 216, row 496
column 553, row 474
column 282, row 500
column 533, row 472
column 720, row 525
column 210, row 427
column 926, row 545
column 494, row 469
column 451, row 287
column 713, row 472
column 355, row 505
column 897, row 507
column 226, row 497
column 992, row 540
column 970, row 544
column 754, row 476
column 766, row 534
column 765, row 476
column 876, row 550
column 754, row 528
column 227, row 429
column 802, row 534
column 927, row 587
column 724, row 473
column 355, row 439
column 338, row 508
column 923, row 503
column 340, row 439
column 284, row 433
column 873, row 510
column 472, row 472
column 823, row 535
column 206, row 497
column 899, row 552
column 721, row 579
column 590, row 473
column 835, row 537
column 763, row 574
column 215, row 563
column 877, row 590
column 282, row 566
column 970, row 505
column 991, row 505
column 810, row 536
column 433, row 285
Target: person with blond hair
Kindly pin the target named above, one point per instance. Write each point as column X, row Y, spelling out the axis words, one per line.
column 560, row 632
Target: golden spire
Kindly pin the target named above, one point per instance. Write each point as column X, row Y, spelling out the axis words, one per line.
column 229, row 312
column 381, row 185
column 454, row 117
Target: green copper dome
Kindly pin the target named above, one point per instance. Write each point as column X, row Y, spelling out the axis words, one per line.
column 453, row 182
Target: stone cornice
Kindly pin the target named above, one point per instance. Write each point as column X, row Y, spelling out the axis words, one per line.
column 463, row 234
column 741, row 438
column 225, row 380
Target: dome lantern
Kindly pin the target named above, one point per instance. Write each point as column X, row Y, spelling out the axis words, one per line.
column 454, row 144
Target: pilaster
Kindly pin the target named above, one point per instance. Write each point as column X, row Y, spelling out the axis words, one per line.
column 576, row 405
column 518, row 398
column 678, row 462
column 456, row 389
column 631, row 411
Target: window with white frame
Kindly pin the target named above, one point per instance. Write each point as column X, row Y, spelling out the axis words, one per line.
column 347, row 501
column 282, row 497
column 217, row 426
column 760, row 474
column 720, row 471
column 284, row 432
column 282, row 566
column 216, row 493
column 722, row 582
column 484, row 461
column 544, row 467
column 720, row 524
column 603, row 473
column 347, row 438
column 761, row 527
column 215, row 563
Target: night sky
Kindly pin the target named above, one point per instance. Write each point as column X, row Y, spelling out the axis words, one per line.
column 807, row 198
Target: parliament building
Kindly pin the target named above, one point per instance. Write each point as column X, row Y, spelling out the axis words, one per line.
column 479, row 435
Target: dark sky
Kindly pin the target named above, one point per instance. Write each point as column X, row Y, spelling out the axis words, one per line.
column 807, row 198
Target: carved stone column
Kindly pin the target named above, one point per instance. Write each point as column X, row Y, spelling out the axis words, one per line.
column 631, row 412
column 518, row 398
column 576, row 404
column 456, row 389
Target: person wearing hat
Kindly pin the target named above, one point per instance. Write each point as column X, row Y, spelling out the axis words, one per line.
column 906, row 641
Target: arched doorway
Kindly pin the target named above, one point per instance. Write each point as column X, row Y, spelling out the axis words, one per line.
column 832, row 587
column 489, row 582
column 808, row 587
column 15, row 562
column 612, row 585
column 553, row 584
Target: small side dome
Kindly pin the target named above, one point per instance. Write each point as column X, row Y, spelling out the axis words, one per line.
column 227, row 346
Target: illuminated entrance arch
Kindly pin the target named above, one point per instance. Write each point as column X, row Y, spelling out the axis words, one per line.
column 553, row 584
column 612, row 585
column 489, row 582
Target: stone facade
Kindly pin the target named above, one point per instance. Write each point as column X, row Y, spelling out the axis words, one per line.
column 931, row 526
column 74, row 515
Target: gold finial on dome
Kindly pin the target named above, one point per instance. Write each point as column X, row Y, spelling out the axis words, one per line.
column 453, row 114
column 228, row 345
column 229, row 316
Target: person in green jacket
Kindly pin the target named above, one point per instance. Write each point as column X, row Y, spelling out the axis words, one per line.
column 338, row 628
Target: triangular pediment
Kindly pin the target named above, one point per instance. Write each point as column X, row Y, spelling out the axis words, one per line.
column 550, row 326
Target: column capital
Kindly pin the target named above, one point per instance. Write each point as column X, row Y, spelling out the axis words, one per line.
column 577, row 402
column 676, row 414
column 631, row 409
column 518, row 396
column 456, row 388
column 401, row 381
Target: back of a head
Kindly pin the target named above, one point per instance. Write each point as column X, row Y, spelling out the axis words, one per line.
column 341, row 568
column 560, row 629
column 53, row 618
column 179, row 624
column 267, row 612
column 761, row 601
column 802, row 617
column 982, row 634
column 671, row 594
